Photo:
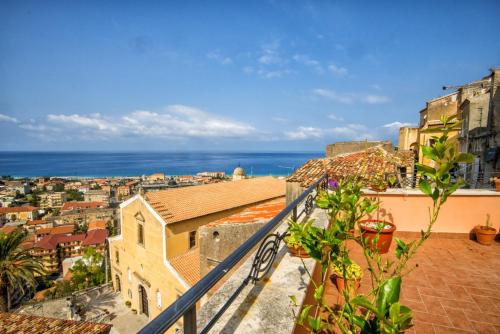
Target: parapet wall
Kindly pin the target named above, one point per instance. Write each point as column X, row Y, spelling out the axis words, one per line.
column 409, row 210
column 344, row 147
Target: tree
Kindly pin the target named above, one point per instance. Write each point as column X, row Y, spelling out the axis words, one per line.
column 17, row 267
column 89, row 271
column 74, row 195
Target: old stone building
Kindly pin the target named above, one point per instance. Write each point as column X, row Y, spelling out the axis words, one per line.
column 155, row 258
column 408, row 139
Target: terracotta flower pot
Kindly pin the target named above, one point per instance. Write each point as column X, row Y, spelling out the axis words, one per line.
column 298, row 251
column 497, row 184
column 378, row 189
column 385, row 236
column 335, row 285
column 485, row 235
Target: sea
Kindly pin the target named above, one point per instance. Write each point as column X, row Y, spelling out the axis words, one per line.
column 105, row 164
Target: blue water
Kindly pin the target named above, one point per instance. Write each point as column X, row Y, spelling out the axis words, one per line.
column 100, row 164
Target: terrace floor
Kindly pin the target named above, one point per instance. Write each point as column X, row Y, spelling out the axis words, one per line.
column 454, row 289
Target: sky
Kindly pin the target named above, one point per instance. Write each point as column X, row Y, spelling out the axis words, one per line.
column 230, row 75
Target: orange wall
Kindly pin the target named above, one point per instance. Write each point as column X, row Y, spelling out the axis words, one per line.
column 410, row 211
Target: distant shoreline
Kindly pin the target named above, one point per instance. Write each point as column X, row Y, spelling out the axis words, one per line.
column 122, row 164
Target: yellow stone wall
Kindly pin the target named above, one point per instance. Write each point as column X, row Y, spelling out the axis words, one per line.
column 146, row 261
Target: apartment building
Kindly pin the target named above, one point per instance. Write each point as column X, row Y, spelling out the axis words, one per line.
column 52, row 200
column 97, row 196
column 154, row 259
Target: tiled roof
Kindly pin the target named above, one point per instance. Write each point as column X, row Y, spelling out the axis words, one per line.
column 96, row 224
column 95, row 237
column 15, row 323
column 18, row 209
column 36, row 222
column 256, row 213
column 365, row 164
column 81, row 205
column 188, row 265
column 47, row 242
column 70, row 238
column 178, row 204
column 63, row 229
column 8, row 229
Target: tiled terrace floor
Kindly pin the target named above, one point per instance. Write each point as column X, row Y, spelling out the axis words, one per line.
column 455, row 289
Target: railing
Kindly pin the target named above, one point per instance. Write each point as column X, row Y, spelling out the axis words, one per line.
column 185, row 306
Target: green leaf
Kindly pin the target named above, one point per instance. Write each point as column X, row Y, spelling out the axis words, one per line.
column 425, row 169
column 318, row 292
column 304, row 314
column 425, row 187
column 293, row 299
column 394, row 313
column 364, row 302
column 465, row 158
column 388, row 294
column 315, row 323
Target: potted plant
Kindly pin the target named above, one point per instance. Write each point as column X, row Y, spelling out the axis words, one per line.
column 378, row 183
column 134, row 311
column 377, row 234
column 497, row 183
column 128, row 303
column 294, row 239
column 485, row 234
column 345, row 276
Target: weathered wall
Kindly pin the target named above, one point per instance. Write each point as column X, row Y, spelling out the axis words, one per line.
column 220, row 240
column 293, row 190
column 409, row 210
column 333, row 150
column 407, row 137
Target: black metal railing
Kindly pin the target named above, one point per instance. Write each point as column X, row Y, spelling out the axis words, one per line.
column 185, row 306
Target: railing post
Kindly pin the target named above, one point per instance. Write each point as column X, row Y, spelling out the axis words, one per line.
column 190, row 321
column 294, row 214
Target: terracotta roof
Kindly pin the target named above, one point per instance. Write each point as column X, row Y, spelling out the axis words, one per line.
column 47, row 242
column 188, row 265
column 96, row 224
column 256, row 213
column 8, row 229
column 15, row 323
column 178, row 204
column 82, row 205
column 364, row 164
column 36, row 222
column 18, row 209
column 95, row 237
column 63, row 229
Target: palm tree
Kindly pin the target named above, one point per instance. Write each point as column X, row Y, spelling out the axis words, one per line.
column 17, row 267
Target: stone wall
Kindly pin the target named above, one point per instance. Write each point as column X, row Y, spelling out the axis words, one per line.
column 333, row 150
column 220, row 240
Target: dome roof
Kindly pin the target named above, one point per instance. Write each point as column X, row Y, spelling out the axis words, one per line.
column 239, row 171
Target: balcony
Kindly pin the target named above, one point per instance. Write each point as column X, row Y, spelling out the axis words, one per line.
column 454, row 289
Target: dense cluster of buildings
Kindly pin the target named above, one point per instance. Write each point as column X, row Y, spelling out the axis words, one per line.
column 477, row 106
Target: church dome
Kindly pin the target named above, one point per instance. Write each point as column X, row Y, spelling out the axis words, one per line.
column 238, row 171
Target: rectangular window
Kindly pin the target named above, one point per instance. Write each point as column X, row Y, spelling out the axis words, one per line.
column 192, row 239
column 140, row 233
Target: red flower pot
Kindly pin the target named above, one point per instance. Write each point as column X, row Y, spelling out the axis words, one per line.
column 485, row 235
column 384, row 239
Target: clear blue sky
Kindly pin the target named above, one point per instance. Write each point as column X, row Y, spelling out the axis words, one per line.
column 230, row 76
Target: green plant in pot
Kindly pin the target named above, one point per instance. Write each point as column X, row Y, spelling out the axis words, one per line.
column 346, row 274
column 485, row 234
column 378, row 183
column 345, row 204
column 297, row 232
column 380, row 310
